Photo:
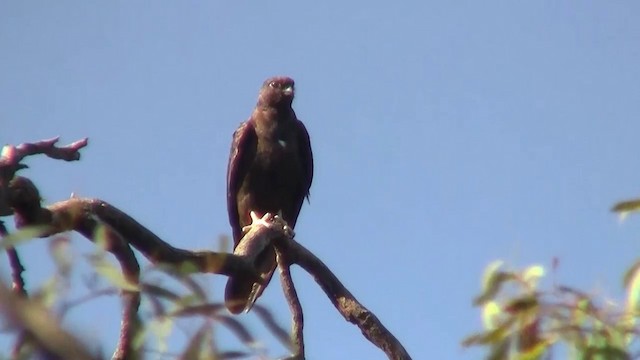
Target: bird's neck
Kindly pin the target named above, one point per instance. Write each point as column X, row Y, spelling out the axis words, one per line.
column 274, row 114
column 271, row 121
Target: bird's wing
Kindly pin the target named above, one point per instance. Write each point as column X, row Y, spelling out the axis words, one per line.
column 306, row 156
column 243, row 148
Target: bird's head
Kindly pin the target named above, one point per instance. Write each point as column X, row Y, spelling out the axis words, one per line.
column 277, row 92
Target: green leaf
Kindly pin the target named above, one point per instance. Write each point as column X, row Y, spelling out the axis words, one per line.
column 627, row 206
column 112, row 274
column 630, row 274
column 606, row 352
column 25, row 234
column 492, row 281
column 500, row 351
column 521, row 304
column 532, row 274
column 490, row 313
column 59, row 250
column 161, row 327
column 490, row 337
column 624, row 208
column 196, row 348
column 535, row 352
column 633, row 297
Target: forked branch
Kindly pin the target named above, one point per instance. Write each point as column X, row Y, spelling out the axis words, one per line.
column 20, row 197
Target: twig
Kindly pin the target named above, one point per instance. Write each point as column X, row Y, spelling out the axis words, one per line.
column 291, row 295
column 17, row 282
column 17, row 286
column 350, row 308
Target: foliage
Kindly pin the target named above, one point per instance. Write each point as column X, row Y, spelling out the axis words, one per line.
column 173, row 294
column 524, row 322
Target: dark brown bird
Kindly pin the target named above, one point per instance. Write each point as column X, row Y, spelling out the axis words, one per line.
column 270, row 171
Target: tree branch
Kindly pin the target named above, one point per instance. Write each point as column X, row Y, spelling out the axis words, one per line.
column 20, row 197
column 346, row 304
column 277, row 232
column 11, row 156
column 87, row 215
column 290, row 293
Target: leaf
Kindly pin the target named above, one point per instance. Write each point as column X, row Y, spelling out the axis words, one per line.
column 624, row 208
column 101, row 236
column 25, row 234
column 267, row 318
column 238, row 329
column 161, row 327
column 226, row 355
column 61, row 254
column 490, row 312
column 536, row 351
column 490, row 272
column 48, row 293
column 210, row 310
column 492, row 281
column 522, row 304
column 490, row 337
column 196, row 348
column 633, row 295
column 627, row 206
column 532, row 274
column 606, row 352
column 500, row 351
column 630, row 274
column 158, row 291
column 112, row 274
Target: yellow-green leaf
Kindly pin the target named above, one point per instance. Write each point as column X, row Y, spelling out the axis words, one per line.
column 492, row 281
column 23, row 235
column 490, row 312
column 112, row 274
column 627, row 206
column 532, row 274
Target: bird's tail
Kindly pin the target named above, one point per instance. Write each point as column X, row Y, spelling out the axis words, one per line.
column 241, row 292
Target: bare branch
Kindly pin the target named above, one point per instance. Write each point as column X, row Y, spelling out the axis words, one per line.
column 17, row 282
column 11, row 156
column 289, row 289
column 350, row 308
column 85, row 215
column 280, row 235
column 129, row 327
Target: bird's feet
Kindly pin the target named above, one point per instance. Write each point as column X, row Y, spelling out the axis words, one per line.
column 266, row 220
column 288, row 230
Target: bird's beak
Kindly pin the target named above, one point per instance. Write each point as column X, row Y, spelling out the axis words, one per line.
column 288, row 90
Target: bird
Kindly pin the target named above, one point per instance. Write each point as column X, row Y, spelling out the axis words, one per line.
column 270, row 171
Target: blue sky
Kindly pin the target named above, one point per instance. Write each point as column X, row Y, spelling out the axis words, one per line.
column 445, row 135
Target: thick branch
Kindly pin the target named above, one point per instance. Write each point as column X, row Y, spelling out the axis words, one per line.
column 87, row 215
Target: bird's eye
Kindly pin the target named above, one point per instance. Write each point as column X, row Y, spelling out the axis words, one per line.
column 273, row 84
